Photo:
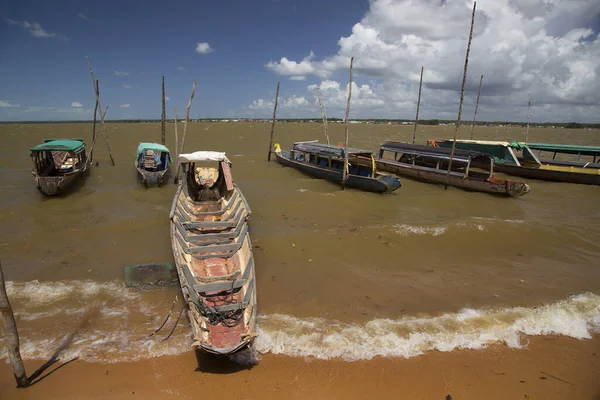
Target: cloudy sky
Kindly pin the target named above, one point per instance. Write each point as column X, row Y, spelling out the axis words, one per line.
column 238, row 50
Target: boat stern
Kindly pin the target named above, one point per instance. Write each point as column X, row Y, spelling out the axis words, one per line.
column 390, row 181
column 516, row 188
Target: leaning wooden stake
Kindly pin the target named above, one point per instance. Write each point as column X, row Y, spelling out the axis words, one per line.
column 185, row 124
column 528, row 118
column 12, row 336
column 273, row 123
column 176, row 138
column 163, row 138
column 96, row 134
column 476, row 106
column 345, row 171
column 97, row 91
column 94, row 128
column 418, row 105
column 323, row 113
column 462, row 96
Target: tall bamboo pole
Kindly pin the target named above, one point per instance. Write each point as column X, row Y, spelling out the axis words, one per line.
column 97, row 90
column 96, row 135
column 476, row 106
column 163, row 138
column 185, row 124
column 528, row 118
column 94, row 126
column 12, row 336
column 176, row 138
column 273, row 123
column 345, row 171
column 323, row 114
column 418, row 105
column 462, row 96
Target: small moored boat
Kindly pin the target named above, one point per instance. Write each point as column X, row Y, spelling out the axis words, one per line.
column 326, row 162
column 516, row 158
column 152, row 163
column 57, row 164
column 591, row 152
column 430, row 164
column 213, row 254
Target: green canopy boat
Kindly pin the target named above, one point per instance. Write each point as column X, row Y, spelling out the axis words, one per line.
column 152, row 163
column 57, row 164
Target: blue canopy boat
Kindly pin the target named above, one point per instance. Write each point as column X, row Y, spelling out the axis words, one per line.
column 57, row 164
column 152, row 163
column 326, row 162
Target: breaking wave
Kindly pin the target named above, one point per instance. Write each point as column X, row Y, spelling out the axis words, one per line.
column 107, row 322
column 479, row 223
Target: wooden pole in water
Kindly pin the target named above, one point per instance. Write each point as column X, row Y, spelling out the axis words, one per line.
column 12, row 336
column 96, row 135
column 163, row 138
column 185, row 124
column 528, row 118
column 418, row 105
column 462, row 96
column 323, row 114
column 97, row 90
column 273, row 123
column 94, row 126
column 176, row 138
column 476, row 106
column 345, row 171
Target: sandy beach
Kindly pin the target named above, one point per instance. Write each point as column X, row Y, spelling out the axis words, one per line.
column 549, row 368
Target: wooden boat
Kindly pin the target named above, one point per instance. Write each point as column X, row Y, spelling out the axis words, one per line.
column 515, row 158
column 326, row 162
column 152, row 163
column 592, row 152
column 430, row 164
column 58, row 164
column 213, row 254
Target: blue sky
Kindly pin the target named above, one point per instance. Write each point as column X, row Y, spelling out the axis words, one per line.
column 546, row 49
column 146, row 40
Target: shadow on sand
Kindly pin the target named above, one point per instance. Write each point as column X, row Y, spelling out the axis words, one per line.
column 244, row 360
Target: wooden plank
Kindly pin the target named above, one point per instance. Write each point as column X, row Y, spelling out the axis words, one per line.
column 220, row 286
column 187, row 208
column 227, row 175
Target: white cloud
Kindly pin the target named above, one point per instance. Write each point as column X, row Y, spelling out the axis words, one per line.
column 125, row 105
column 546, row 47
column 297, row 78
column 180, row 68
column 7, row 104
column 121, row 73
column 76, row 104
column 126, row 86
column 203, row 48
column 34, row 28
column 82, row 16
column 37, row 109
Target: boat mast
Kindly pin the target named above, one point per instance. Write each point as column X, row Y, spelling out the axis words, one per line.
column 462, row 96
column 345, row 171
column 273, row 123
column 528, row 118
column 476, row 106
column 418, row 105
column 323, row 113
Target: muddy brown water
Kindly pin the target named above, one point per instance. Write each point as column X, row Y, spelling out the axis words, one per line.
column 340, row 255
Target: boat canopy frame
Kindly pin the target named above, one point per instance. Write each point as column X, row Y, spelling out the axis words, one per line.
column 333, row 153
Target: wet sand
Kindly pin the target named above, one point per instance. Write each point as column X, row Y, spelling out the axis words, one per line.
column 494, row 373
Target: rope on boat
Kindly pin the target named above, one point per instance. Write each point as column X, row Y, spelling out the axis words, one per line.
column 176, row 322
column 166, row 319
column 229, row 319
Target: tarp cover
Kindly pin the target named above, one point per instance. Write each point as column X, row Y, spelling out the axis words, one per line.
column 76, row 146
column 198, row 156
column 432, row 151
column 143, row 146
column 327, row 150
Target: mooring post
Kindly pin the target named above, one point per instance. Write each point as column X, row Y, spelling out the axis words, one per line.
column 323, row 114
column 97, row 91
column 273, row 123
column 418, row 105
column 185, row 124
column 462, row 96
column 176, row 138
column 12, row 336
column 345, row 170
column 163, row 138
column 94, row 126
column 476, row 106
column 528, row 118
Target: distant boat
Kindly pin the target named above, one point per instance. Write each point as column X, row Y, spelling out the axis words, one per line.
column 152, row 163
column 213, row 254
column 326, row 162
column 516, row 158
column 430, row 164
column 58, row 164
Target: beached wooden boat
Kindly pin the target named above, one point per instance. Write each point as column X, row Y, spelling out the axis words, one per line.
column 58, row 164
column 213, row 254
column 430, row 164
column 326, row 162
column 591, row 152
column 516, row 158
column 152, row 163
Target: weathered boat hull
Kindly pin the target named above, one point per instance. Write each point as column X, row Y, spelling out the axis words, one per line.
column 546, row 174
column 490, row 185
column 215, row 265
column 57, row 185
column 152, row 178
column 381, row 184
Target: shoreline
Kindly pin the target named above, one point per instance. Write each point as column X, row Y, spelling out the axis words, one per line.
column 550, row 367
